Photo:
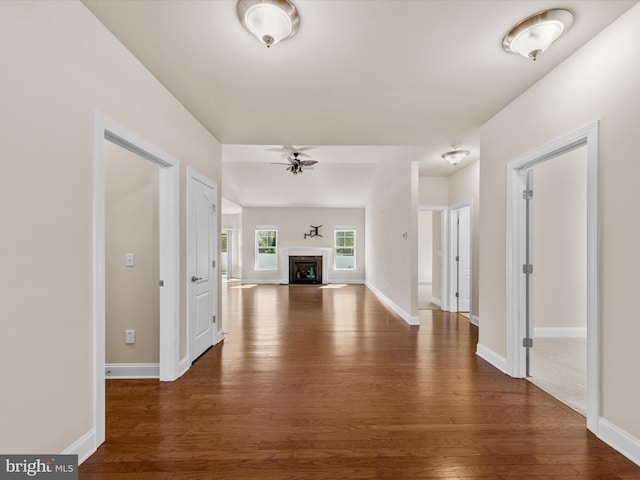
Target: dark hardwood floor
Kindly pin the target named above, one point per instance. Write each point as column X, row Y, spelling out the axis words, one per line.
column 327, row 383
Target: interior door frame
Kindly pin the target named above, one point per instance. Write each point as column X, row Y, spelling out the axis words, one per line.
column 452, row 256
column 218, row 335
column 516, row 257
column 444, row 246
column 106, row 129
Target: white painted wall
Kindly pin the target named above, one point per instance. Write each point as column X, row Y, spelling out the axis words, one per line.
column 433, row 191
column 560, row 241
column 392, row 210
column 600, row 81
column 59, row 65
column 292, row 224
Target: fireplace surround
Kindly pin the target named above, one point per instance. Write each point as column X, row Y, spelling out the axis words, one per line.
column 322, row 252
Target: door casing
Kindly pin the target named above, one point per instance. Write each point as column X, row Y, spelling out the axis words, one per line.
column 516, row 257
column 105, row 129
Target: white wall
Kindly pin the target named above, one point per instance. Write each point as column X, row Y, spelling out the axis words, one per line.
column 600, row 81
column 433, row 191
column 560, row 241
column 392, row 210
column 60, row 65
column 292, row 224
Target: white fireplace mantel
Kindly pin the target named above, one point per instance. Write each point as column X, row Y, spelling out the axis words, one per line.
column 287, row 252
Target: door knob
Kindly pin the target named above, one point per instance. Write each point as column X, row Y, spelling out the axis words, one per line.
column 195, row 279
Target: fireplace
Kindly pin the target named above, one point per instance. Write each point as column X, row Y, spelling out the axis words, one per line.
column 305, row 269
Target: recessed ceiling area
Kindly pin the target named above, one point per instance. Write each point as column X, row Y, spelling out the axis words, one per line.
column 420, row 76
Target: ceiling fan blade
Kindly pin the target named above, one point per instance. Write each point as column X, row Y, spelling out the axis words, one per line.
column 308, row 162
column 278, row 163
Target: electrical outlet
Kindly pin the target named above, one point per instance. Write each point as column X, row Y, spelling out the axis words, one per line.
column 129, row 336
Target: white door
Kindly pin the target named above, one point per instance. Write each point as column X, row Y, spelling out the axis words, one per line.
column 202, row 231
column 464, row 255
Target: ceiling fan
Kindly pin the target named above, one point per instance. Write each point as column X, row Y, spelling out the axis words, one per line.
column 297, row 165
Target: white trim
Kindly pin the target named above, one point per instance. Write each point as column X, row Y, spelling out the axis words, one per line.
column 411, row 320
column 184, row 366
column 132, row 370
column 352, row 281
column 425, row 281
column 84, row 447
column 169, row 174
column 474, row 320
column 560, row 332
column 620, row 440
column 492, row 357
column 267, row 281
column 436, row 301
column 516, row 228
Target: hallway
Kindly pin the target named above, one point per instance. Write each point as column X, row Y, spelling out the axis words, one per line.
column 327, row 383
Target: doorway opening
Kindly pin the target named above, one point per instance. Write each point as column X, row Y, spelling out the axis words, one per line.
column 433, row 250
column 521, row 266
column 106, row 130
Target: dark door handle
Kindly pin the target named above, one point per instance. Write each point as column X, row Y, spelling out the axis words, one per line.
column 195, row 279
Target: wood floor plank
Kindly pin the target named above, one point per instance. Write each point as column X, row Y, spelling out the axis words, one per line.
column 327, row 383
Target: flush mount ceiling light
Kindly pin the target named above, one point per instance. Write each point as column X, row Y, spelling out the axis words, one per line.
column 269, row 20
column 535, row 34
column 455, row 156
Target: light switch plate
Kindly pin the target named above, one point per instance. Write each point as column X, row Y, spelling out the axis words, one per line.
column 129, row 259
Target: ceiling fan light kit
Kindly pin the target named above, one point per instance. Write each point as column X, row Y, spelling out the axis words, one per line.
column 455, row 156
column 271, row 21
column 533, row 35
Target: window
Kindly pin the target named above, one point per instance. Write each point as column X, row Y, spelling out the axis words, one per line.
column 345, row 249
column 266, row 248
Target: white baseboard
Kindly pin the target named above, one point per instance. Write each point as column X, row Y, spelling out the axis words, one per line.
column 132, row 370
column 492, row 357
column 411, row 320
column 436, row 301
column 620, row 440
column 474, row 320
column 273, row 281
column 355, row 281
column 84, row 447
column 183, row 366
column 560, row 332
column 425, row 281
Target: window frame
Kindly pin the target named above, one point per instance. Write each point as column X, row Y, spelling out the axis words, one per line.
column 257, row 247
column 344, row 229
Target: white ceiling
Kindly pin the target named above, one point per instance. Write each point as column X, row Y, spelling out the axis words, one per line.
column 358, row 75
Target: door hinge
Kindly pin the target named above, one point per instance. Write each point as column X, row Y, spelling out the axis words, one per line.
column 213, row 208
column 527, row 269
column 527, row 342
column 161, row 282
column 213, row 264
column 527, row 194
column 214, row 319
column 457, row 258
column 457, row 294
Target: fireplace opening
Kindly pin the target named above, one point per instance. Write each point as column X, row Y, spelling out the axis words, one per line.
column 305, row 269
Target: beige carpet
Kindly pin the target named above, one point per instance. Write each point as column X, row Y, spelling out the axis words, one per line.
column 560, row 369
